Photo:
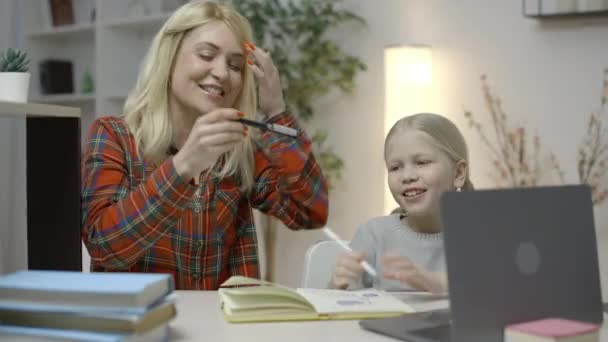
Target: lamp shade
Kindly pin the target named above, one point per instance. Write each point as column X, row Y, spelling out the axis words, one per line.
column 408, row 88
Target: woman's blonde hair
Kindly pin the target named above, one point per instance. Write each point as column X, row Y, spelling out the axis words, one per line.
column 147, row 106
column 446, row 135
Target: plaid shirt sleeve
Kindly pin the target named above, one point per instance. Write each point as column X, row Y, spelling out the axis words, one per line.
column 289, row 183
column 243, row 258
column 120, row 223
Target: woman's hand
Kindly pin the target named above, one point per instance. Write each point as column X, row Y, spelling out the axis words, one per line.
column 400, row 268
column 212, row 135
column 268, row 79
column 348, row 269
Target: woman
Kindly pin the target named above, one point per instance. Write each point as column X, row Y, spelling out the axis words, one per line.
column 171, row 186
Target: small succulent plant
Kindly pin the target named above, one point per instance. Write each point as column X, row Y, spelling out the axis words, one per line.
column 14, row 60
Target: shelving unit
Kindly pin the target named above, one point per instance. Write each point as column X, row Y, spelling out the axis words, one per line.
column 108, row 39
column 52, row 156
column 573, row 15
column 573, row 9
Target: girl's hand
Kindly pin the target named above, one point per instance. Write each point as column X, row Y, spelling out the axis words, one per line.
column 348, row 269
column 404, row 270
column 269, row 82
column 212, row 135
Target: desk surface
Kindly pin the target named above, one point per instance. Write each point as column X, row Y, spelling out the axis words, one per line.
column 199, row 318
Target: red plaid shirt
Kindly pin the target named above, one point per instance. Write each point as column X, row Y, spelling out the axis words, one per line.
column 140, row 217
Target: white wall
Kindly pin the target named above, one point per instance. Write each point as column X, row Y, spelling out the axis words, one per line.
column 548, row 74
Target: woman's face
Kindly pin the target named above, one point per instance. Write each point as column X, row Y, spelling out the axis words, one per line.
column 208, row 71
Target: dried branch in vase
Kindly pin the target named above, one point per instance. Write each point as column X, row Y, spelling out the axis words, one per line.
column 592, row 152
column 518, row 158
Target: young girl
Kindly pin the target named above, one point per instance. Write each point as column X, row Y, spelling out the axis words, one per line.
column 425, row 155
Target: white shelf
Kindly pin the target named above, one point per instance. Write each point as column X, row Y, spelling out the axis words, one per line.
column 65, row 98
column 36, row 109
column 63, row 32
column 138, row 23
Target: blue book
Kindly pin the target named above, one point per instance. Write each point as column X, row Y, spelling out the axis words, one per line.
column 77, row 289
column 93, row 320
column 10, row 333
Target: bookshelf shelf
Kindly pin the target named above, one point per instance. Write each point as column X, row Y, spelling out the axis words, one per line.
column 138, row 23
column 63, row 32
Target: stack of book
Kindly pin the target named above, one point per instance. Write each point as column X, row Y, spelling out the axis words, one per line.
column 75, row 306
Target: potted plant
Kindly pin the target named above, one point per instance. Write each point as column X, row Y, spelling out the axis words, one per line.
column 311, row 63
column 14, row 76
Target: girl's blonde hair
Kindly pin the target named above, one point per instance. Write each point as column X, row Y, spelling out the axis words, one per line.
column 147, row 106
column 446, row 135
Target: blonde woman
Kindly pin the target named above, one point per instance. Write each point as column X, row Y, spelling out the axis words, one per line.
column 425, row 155
column 170, row 186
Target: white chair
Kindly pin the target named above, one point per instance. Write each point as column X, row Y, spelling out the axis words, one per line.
column 319, row 263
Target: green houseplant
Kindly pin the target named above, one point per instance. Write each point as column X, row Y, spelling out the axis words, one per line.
column 311, row 64
column 14, row 76
column 296, row 33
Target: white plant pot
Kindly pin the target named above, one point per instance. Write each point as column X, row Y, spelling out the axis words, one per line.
column 14, row 86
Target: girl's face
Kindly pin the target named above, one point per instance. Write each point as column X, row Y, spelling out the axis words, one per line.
column 208, row 71
column 419, row 172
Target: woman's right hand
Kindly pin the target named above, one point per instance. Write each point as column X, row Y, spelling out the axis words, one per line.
column 212, row 135
column 348, row 269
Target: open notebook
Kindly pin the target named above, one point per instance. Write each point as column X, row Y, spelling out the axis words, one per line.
column 253, row 300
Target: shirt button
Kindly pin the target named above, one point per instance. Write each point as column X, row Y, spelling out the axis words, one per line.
column 196, row 210
column 196, row 275
column 199, row 244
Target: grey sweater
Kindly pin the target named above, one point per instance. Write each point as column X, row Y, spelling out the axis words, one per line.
column 387, row 234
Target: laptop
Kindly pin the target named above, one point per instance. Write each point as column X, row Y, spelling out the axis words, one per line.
column 513, row 255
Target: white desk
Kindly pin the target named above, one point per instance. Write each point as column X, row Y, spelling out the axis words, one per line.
column 199, row 318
